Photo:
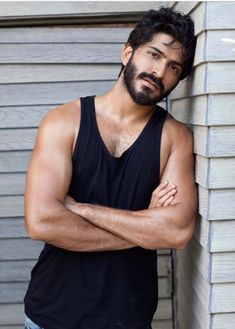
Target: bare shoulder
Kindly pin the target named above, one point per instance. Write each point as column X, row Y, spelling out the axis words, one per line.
column 177, row 134
column 65, row 115
column 63, row 121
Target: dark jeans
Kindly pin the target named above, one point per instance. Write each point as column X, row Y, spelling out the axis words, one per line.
column 29, row 324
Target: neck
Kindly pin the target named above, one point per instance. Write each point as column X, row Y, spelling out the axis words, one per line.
column 120, row 105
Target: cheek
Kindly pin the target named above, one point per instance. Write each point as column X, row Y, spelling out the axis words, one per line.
column 143, row 66
column 171, row 82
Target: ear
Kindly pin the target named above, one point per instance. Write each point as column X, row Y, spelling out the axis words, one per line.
column 127, row 51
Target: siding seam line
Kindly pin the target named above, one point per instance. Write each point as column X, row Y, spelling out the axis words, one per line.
column 209, row 165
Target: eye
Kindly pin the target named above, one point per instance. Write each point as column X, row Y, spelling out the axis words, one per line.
column 175, row 68
column 153, row 54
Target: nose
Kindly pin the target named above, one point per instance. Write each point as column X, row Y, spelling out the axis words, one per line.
column 159, row 69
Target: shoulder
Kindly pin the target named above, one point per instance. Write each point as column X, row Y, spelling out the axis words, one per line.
column 64, row 118
column 65, row 114
column 177, row 134
column 60, row 124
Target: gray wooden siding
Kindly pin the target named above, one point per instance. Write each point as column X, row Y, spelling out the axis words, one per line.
column 205, row 275
column 39, row 13
column 15, row 9
column 41, row 68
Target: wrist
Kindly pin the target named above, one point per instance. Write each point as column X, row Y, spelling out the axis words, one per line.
column 83, row 209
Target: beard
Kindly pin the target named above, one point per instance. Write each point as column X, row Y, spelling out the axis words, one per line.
column 146, row 96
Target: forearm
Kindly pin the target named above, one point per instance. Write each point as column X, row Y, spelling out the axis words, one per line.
column 155, row 228
column 62, row 228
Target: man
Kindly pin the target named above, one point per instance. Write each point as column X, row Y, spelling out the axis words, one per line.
column 116, row 157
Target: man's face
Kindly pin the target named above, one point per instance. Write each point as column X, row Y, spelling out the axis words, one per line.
column 153, row 70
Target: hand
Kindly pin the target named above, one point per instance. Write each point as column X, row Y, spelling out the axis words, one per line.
column 71, row 204
column 163, row 195
column 76, row 207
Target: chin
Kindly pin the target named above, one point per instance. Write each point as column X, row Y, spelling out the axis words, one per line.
column 141, row 99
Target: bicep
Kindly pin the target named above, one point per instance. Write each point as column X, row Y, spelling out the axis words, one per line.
column 179, row 170
column 50, row 168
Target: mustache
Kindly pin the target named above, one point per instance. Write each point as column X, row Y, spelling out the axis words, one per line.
column 155, row 80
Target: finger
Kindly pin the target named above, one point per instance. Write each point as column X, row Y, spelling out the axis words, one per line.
column 161, row 193
column 68, row 201
column 159, row 196
column 68, row 198
column 155, row 202
column 168, row 201
column 164, row 187
column 161, row 186
column 151, row 204
column 164, row 191
column 168, row 195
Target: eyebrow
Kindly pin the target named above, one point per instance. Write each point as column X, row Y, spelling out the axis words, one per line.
column 162, row 53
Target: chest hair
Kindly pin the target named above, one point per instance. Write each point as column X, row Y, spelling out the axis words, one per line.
column 118, row 137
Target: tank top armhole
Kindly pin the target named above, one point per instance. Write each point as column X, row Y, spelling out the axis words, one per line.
column 74, row 154
column 161, row 125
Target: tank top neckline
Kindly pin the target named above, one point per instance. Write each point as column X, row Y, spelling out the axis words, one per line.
column 133, row 145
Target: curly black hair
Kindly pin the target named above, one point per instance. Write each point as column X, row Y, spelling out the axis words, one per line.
column 176, row 24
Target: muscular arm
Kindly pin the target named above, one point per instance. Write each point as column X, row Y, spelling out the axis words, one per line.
column 159, row 227
column 48, row 178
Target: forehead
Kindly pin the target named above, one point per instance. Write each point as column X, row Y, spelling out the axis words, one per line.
column 163, row 42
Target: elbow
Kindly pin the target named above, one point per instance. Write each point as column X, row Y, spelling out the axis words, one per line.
column 179, row 237
column 182, row 244
column 174, row 236
column 184, row 237
column 35, row 235
column 33, row 228
column 177, row 240
column 35, row 225
column 38, row 220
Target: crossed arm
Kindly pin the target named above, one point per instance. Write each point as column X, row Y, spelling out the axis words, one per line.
column 84, row 227
column 171, row 226
column 49, row 174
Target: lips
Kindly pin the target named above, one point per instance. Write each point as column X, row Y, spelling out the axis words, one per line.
column 155, row 86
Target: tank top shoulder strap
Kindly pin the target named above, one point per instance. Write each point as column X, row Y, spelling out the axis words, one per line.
column 161, row 114
column 86, row 122
column 86, row 107
column 159, row 118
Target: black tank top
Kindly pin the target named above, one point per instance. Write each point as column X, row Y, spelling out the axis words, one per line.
column 108, row 289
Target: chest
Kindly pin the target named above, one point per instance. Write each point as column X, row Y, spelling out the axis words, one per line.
column 119, row 137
